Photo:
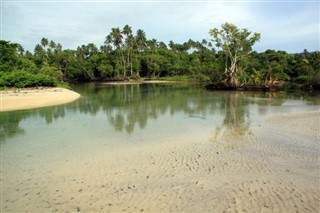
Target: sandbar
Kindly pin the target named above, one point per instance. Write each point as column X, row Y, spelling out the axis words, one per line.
column 28, row 98
column 271, row 167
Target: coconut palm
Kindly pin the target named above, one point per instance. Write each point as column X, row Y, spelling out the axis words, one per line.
column 129, row 41
column 141, row 40
column 153, row 45
column 44, row 42
column 115, row 38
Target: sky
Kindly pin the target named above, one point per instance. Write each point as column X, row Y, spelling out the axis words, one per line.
column 288, row 25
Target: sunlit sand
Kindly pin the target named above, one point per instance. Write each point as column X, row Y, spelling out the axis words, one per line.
column 19, row 99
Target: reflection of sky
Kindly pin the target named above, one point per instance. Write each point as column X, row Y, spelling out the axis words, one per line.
column 285, row 25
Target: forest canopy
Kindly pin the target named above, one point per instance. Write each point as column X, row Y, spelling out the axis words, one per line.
column 227, row 58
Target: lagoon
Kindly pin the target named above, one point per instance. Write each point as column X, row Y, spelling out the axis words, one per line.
column 162, row 147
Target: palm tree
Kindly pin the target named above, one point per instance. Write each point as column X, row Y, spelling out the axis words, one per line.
column 153, row 45
column 115, row 38
column 52, row 44
column 141, row 40
column 108, row 41
column 162, row 45
column 172, row 45
column 44, row 42
column 129, row 41
column 127, row 30
column 40, row 54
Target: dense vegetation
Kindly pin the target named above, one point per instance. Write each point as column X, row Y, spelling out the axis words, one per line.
column 126, row 55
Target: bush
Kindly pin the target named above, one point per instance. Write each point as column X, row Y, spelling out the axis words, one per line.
column 44, row 80
column 291, row 86
column 200, row 77
column 20, row 79
column 51, row 71
column 175, row 78
column 302, row 79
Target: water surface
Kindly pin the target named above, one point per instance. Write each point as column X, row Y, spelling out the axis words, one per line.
column 116, row 116
column 108, row 119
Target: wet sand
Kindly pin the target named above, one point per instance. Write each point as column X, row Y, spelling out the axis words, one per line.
column 271, row 167
column 19, row 99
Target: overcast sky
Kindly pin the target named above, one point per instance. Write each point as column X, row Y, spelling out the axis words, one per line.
column 284, row 25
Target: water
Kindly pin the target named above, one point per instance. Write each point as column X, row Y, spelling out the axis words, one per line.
column 108, row 118
column 40, row 147
column 122, row 115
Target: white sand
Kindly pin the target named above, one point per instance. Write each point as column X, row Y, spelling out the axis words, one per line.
column 19, row 99
column 275, row 167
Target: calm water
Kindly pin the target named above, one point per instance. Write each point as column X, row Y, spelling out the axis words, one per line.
column 113, row 117
column 80, row 156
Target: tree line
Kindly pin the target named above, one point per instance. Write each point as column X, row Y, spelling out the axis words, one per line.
column 227, row 59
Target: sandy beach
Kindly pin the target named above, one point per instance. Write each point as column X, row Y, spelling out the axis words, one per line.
column 272, row 167
column 28, row 98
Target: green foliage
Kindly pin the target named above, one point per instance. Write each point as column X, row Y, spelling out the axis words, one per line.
column 18, row 70
column 8, row 55
column 127, row 54
column 51, row 71
column 20, row 79
column 27, row 65
column 105, row 70
column 302, row 79
column 305, row 69
column 291, row 86
column 236, row 44
column 201, row 78
column 175, row 78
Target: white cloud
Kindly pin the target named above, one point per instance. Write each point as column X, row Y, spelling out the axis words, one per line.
column 75, row 23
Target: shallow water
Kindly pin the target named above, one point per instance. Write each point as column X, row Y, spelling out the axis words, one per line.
column 40, row 148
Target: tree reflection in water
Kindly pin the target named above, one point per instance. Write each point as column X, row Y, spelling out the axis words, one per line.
column 10, row 121
column 235, row 128
column 128, row 107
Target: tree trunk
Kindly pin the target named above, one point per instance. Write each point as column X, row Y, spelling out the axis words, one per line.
column 65, row 70
column 269, row 77
column 129, row 60
column 124, row 65
column 233, row 74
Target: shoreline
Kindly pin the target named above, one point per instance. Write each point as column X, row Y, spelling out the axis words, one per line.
column 29, row 98
column 139, row 82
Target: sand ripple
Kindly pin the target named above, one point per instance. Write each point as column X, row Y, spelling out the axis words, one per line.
column 275, row 167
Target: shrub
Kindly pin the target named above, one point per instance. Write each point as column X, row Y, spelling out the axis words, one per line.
column 51, row 71
column 291, row 86
column 302, row 79
column 20, row 79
